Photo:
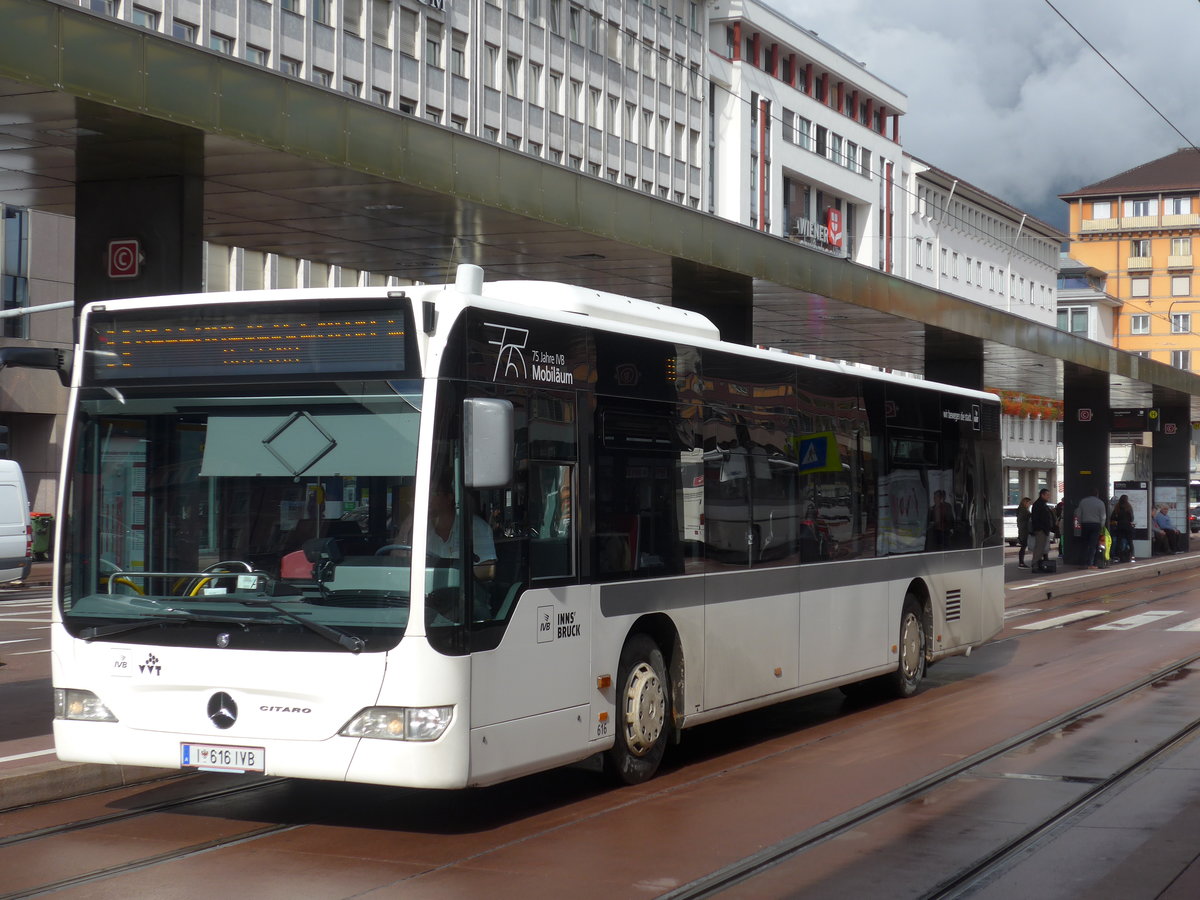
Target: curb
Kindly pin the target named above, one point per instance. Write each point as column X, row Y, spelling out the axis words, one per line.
column 1064, row 584
column 43, row 782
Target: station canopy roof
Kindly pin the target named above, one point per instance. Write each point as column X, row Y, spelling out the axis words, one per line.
column 293, row 168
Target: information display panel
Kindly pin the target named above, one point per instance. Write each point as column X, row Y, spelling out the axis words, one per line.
column 237, row 341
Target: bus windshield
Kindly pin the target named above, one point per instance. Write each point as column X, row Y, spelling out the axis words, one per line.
column 263, row 522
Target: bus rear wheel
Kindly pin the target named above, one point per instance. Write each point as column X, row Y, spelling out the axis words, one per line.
column 643, row 712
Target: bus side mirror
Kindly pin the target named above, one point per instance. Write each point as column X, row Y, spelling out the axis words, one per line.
column 488, row 440
column 39, row 358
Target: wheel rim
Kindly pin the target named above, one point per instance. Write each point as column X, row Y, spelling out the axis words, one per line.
column 645, row 709
column 910, row 647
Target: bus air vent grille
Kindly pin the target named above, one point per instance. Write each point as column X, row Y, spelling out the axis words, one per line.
column 953, row 605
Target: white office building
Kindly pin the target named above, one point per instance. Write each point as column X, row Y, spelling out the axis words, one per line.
column 962, row 240
column 804, row 140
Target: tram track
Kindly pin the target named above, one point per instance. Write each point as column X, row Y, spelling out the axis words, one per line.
column 744, row 871
column 109, row 818
column 964, row 883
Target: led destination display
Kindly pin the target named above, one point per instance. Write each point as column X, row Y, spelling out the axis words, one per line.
column 241, row 341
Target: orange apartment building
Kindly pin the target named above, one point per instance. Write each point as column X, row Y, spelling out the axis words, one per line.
column 1142, row 227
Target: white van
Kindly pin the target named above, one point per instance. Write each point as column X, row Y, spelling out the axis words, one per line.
column 16, row 535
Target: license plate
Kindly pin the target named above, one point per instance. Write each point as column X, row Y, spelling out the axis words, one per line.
column 223, row 758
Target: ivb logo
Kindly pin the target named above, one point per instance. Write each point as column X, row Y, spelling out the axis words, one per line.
column 545, row 624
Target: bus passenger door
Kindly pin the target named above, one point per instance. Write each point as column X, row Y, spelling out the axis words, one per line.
column 751, row 594
column 530, row 661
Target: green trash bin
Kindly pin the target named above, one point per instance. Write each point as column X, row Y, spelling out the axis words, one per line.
column 43, row 534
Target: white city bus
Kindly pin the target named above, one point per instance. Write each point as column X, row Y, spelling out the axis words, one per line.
column 445, row 536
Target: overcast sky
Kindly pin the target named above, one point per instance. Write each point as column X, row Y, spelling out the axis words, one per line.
column 1004, row 95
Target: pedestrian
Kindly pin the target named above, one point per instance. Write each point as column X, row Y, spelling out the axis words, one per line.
column 1023, row 530
column 1092, row 513
column 1041, row 524
column 1165, row 534
column 1121, row 525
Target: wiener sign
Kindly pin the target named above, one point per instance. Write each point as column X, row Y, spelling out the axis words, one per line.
column 830, row 234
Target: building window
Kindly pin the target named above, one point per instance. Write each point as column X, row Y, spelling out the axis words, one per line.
column 804, row 132
column 1181, row 323
column 352, row 11
column 257, row 55
column 322, row 10
column 106, row 7
column 1102, row 209
column 492, row 55
column 292, row 6
column 1139, row 247
column 352, row 87
column 409, row 22
column 1181, row 285
column 1147, row 207
column 1139, row 287
column 220, row 43
column 381, row 22
column 1181, row 359
column 322, row 77
column 458, row 53
column 289, row 66
column 1139, row 324
column 1177, row 206
column 145, row 18
column 184, row 31
column 380, row 96
column 1073, row 319
column 512, row 75
column 14, row 283
column 433, row 44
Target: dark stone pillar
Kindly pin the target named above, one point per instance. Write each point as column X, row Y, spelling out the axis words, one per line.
column 953, row 358
column 1172, row 457
column 726, row 298
column 1086, row 425
column 139, row 181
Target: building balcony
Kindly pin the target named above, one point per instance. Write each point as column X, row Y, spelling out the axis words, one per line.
column 1140, row 223
column 1139, row 262
column 1179, row 262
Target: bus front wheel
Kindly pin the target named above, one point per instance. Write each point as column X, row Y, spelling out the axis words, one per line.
column 643, row 712
column 910, row 668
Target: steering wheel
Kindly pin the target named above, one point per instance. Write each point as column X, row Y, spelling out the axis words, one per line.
column 386, row 549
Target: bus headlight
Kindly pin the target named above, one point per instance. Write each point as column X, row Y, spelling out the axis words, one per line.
column 82, row 706
column 400, row 723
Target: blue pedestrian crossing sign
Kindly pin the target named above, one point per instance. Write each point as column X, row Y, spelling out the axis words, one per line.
column 818, row 453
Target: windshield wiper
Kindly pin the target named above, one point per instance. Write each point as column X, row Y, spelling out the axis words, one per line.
column 177, row 615
column 351, row 642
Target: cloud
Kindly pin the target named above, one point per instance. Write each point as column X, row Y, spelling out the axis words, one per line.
column 1009, row 98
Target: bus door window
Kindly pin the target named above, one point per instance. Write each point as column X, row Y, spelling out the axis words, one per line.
column 551, row 550
column 749, row 489
column 640, row 454
column 772, row 484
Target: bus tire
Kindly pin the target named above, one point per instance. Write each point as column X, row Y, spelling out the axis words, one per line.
column 643, row 715
column 910, row 668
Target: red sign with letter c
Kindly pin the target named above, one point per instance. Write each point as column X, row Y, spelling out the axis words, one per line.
column 124, row 259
